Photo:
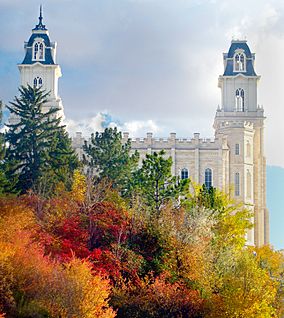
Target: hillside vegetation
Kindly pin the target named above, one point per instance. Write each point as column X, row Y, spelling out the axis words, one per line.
column 108, row 238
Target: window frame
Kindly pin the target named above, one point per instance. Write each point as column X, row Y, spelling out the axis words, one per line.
column 237, row 184
column 249, row 184
column 240, row 100
column 208, row 178
column 38, row 50
column 38, row 82
column 239, row 59
column 182, row 172
column 237, row 149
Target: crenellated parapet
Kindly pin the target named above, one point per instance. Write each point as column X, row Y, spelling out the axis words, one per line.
column 173, row 142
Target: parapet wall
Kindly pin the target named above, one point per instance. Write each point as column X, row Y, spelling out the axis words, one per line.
column 173, row 142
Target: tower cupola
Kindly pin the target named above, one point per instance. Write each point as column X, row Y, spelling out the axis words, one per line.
column 39, row 48
column 239, row 59
column 239, row 81
column 39, row 67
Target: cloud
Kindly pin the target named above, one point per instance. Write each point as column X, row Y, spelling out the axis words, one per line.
column 150, row 60
column 103, row 120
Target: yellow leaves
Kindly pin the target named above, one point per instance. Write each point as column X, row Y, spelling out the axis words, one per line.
column 79, row 187
column 247, row 290
column 94, row 291
column 74, row 291
column 15, row 216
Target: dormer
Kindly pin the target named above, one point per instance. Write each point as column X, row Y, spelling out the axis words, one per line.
column 38, row 50
column 239, row 61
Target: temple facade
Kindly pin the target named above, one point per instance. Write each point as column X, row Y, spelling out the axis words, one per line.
column 233, row 160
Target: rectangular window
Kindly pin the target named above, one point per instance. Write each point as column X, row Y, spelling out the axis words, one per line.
column 237, row 184
column 237, row 149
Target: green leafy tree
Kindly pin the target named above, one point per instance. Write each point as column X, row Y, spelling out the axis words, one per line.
column 155, row 182
column 109, row 158
column 39, row 152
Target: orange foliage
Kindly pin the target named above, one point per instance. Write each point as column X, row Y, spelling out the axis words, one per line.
column 158, row 297
column 43, row 285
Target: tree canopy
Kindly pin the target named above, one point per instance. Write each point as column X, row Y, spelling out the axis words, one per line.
column 108, row 157
column 37, row 143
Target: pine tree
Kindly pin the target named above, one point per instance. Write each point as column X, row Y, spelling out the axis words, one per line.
column 3, row 180
column 155, row 182
column 110, row 158
column 39, row 152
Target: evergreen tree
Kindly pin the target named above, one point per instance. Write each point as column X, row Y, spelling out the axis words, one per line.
column 109, row 158
column 39, row 151
column 156, row 183
column 3, row 180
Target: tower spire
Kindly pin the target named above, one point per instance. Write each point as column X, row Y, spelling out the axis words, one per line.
column 40, row 25
column 40, row 14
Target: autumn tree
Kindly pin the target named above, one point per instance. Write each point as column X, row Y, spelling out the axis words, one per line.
column 35, row 285
column 39, row 151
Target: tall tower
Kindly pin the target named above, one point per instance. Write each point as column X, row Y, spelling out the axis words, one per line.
column 39, row 66
column 241, row 121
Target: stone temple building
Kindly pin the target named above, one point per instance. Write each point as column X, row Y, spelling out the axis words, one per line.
column 234, row 159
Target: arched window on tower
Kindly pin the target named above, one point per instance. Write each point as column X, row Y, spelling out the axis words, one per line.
column 239, row 62
column 38, row 51
column 184, row 173
column 37, row 82
column 208, row 178
column 240, row 100
column 41, row 51
column 237, row 184
column 35, row 51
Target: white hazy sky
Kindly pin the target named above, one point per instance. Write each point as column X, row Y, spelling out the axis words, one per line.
column 150, row 65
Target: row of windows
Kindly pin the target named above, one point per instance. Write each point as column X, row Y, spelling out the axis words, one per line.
column 208, row 176
column 248, row 149
column 208, row 180
column 237, row 184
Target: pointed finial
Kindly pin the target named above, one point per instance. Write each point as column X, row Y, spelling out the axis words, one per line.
column 40, row 26
column 40, row 14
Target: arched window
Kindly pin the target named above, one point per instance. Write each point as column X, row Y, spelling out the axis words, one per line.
column 184, row 173
column 208, row 178
column 240, row 100
column 237, row 149
column 248, row 184
column 41, row 51
column 248, row 149
column 38, row 51
column 239, row 62
column 237, row 184
column 35, row 51
column 37, row 82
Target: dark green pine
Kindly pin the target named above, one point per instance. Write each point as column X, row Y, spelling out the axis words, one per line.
column 32, row 143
